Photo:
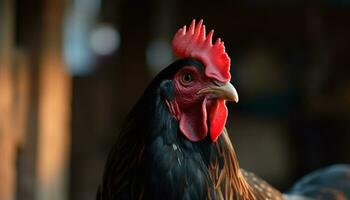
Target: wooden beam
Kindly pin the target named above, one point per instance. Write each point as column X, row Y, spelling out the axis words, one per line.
column 7, row 139
column 54, row 108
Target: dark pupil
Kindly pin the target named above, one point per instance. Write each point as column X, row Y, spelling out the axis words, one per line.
column 187, row 77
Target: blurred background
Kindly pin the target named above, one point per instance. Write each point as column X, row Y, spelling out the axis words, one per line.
column 70, row 70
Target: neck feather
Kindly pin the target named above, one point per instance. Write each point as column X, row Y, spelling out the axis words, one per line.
column 230, row 177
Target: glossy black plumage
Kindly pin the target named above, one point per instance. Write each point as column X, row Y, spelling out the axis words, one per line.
column 151, row 159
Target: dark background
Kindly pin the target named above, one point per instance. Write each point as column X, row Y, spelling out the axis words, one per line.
column 290, row 65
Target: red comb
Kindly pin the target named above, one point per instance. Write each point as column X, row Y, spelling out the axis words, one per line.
column 196, row 44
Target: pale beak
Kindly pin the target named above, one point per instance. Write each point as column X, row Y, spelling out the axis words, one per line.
column 225, row 91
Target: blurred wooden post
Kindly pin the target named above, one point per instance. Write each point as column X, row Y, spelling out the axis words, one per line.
column 7, row 136
column 54, row 108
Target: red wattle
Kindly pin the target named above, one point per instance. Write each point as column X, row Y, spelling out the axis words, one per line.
column 217, row 118
column 193, row 122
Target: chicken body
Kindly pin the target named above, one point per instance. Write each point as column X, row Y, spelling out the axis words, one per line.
column 173, row 144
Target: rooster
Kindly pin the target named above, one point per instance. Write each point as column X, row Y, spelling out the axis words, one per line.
column 174, row 145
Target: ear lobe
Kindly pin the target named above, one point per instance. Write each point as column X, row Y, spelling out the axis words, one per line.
column 193, row 122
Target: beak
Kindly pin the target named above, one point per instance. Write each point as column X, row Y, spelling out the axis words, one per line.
column 225, row 91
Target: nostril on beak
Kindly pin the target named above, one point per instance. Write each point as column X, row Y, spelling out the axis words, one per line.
column 217, row 83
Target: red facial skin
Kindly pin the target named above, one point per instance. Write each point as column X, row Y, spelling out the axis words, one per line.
column 195, row 111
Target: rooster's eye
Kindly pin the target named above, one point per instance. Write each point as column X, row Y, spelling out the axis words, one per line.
column 187, row 78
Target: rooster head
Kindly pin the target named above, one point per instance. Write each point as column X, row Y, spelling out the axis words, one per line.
column 201, row 86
